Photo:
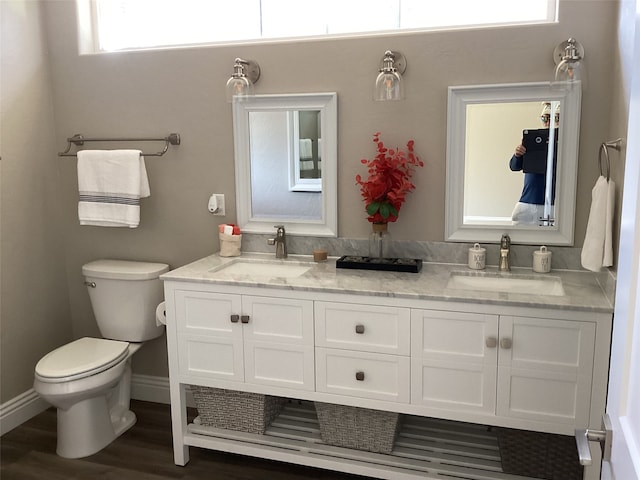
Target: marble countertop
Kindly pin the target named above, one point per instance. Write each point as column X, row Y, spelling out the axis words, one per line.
column 581, row 288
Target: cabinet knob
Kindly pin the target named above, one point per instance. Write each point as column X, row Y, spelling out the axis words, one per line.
column 244, row 318
column 360, row 376
column 491, row 342
column 235, row 318
column 506, row 343
column 359, row 328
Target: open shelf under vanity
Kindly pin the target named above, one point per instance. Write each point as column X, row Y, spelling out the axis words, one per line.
column 424, row 448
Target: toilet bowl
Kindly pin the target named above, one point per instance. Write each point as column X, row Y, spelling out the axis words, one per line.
column 91, row 393
column 89, row 379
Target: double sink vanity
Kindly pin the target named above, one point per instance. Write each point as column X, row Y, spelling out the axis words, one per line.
column 510, row 349
column 474, row 349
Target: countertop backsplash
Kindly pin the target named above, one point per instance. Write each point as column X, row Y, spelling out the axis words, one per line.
column 564, row 258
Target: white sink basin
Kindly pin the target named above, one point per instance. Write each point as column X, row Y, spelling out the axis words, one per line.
column 264, row 268
column 507, row 282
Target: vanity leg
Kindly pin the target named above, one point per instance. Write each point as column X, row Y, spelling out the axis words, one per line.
column 179, row 423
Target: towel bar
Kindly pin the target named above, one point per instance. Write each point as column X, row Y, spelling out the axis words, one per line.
column 78, row 140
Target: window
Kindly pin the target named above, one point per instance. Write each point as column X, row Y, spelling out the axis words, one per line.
column 130, row 24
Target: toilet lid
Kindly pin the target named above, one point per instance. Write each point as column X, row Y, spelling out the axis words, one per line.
column 84, row 356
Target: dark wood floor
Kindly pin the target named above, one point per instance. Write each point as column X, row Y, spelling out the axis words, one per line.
column 143, row 453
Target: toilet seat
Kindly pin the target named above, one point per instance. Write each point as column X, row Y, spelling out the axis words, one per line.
column 81, row 358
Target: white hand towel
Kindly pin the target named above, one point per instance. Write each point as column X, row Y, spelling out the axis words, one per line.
column 597, row 250
column 111, row 184
column 306, row 150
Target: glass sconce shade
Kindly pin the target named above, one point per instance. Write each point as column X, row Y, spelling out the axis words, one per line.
column 239, row 87
column 569, row 69
column 245, row 74
column 389, row 85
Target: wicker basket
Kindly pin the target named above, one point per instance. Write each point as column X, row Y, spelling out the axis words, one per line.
column 539, row 455
column 233, row 410
column 360, row 428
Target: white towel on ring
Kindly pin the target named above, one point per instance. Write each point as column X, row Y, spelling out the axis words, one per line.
column 597, row 250
column 111, row 184
column 306, row 149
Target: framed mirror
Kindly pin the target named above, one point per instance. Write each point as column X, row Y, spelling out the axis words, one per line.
column 491, row 189
column 286, row 163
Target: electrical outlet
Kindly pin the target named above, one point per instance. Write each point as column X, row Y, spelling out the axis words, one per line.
column 216, row 204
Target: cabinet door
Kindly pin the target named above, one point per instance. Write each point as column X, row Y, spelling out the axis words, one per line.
column 209, row 342
column 278, row 342
column 453, row 360
column 367, row 328
column 545, row 369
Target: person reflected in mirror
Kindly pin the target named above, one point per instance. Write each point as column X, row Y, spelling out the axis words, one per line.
column 529, row 210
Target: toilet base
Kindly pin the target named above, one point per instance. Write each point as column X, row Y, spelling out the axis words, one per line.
column 89, row 426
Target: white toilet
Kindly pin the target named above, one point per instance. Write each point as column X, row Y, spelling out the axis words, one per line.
column 89, row 380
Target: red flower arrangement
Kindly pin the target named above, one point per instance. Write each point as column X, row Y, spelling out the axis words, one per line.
column 389, row 181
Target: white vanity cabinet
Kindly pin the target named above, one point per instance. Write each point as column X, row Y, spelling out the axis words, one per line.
column 519, row 367
column 522, row 367
column 245, row 338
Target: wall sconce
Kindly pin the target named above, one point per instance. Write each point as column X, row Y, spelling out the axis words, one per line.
column 389, row 84
column 245, row 74
column 569, row 64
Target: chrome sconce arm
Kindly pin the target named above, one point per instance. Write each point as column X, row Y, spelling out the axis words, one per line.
column 569, row 59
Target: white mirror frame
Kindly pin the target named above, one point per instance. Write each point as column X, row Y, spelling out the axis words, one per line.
column 327, row 104
column 566, row 176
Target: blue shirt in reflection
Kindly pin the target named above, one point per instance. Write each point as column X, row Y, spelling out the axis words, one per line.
column 533, row 189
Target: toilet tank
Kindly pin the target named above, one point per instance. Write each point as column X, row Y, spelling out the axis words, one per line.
column 124, row 295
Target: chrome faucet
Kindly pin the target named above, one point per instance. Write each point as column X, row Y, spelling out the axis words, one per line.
column 505, row 250
column 280, row 242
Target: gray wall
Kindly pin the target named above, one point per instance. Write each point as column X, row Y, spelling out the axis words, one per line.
column 182, row 90
column 35, row 315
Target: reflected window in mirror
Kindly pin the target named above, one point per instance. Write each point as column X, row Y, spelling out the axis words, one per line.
column 305, row 165
column 494, row 185
column 286, row 163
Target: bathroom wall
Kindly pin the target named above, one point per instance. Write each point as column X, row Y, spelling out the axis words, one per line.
column 622, row 57
column 182, row 90
column 35, row 314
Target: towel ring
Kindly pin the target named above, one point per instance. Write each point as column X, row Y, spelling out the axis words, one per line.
column 604, row 149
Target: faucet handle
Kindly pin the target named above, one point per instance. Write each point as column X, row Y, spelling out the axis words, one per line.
column 505, row 241
column 280, row 230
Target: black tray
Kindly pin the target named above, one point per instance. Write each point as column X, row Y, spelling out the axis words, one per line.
column 413, row 265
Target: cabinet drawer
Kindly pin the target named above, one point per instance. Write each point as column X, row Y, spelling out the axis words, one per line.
column 362, row 374
column 367, row 328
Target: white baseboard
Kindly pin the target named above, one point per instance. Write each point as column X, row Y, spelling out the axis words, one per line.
column 153, row 389
column 27, row 405
column 150, row 389
column 20, row 409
